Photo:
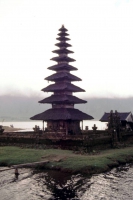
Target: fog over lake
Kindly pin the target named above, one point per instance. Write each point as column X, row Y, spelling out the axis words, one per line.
column 21, row 108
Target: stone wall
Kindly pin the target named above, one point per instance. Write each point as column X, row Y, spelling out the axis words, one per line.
column 89, row 140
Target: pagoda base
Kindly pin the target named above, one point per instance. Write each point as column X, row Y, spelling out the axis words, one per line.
column 68, row 127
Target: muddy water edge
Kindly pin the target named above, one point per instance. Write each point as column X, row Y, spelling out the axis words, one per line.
column 51, row 185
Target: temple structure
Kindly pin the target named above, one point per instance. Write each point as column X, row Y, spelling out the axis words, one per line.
column 126, row 119
column 62, row 117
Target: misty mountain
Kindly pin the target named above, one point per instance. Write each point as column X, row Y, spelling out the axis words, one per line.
column 97, row 106
column 21, row 108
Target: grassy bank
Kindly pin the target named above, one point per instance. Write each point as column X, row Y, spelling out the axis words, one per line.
column 66, row 160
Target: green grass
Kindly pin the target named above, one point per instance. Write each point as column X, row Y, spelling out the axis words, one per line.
column 15, row 155
column 100, row 161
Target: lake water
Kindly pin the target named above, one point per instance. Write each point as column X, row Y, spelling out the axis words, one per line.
column 28, row 126
column 54, row 185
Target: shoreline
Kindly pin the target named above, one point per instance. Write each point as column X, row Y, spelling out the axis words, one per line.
column 11, row 129
column 65, row 160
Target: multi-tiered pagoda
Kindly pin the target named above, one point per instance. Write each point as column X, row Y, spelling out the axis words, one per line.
column 62, row 117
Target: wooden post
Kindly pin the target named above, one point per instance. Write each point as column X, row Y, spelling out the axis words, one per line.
column 16, row 173
column 82, row 125
column 43, row 126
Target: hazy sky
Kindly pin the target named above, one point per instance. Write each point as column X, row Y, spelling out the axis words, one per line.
column 101, row 33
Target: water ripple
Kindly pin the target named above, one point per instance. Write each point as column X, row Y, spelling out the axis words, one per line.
column 52, row 185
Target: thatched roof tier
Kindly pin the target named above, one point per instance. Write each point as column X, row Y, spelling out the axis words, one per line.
column 63, row 44
column 63, row 58
column 62, row 51
column 62, row 114
column 63, row 34
column 62, row 76
column 124, row 116
column 63, row 38
column 62, row 99
column 62, row 87
column 63, row 29
column 62, row 66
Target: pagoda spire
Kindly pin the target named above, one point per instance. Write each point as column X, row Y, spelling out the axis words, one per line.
column 62, row 99
column 63, row 78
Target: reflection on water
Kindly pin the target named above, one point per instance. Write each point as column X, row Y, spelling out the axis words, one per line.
column 53, row 185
